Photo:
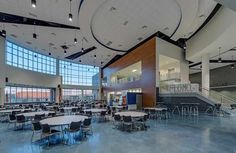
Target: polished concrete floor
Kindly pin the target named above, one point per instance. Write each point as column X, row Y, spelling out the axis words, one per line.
column 205, row 134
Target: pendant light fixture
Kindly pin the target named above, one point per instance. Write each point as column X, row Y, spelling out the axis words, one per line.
column 82, row 49
column 70, row 14
column 33, row 3
column 4, row 33
column 34, row 34
column 95, row 56
column 219, row 59
column 75, row 39
column 65, row 52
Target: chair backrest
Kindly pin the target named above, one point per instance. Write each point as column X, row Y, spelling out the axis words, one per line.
column 117, row 118
column 127, row 119
column 51, row 114
column 103, row 113
column 37, row 117
column 20, row 118
column 74, row 110
column 87, row 122
column 45, row 128
column 12, row 117
column 62, row 110
column 36, row 126
column 75, row 125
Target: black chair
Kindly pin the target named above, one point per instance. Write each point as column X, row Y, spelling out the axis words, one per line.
column 127, row 123
column 11, row 120
column 51, row 114
column 74, row 110
column 47, row 132
column 102, row 116
column 88, row 113
column 37, row 117
column 86, row 127
column 74, row 128
column 20, row 119
column 36, row 128
column 117, row 121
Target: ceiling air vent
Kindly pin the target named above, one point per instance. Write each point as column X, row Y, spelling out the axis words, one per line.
column 51, row 44
column 33, row 15
column 109, row 43
column 13, row 35
column 125, row 23
column 28, row 42
column 140, row 38
column 112, row 9
column 64, row 47
column 53, row 34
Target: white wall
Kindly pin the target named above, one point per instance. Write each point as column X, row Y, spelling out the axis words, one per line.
column 167, row 49
column 219, row 32
column 25, row 77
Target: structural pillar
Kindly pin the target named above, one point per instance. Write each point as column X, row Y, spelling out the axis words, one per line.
column 100, row 84
column 205, row 74
column 2, row 70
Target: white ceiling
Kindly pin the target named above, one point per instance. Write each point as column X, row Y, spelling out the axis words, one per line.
column 144, row 19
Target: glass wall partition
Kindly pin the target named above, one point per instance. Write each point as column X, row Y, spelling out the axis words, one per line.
column 24, row 58
column 19, row 94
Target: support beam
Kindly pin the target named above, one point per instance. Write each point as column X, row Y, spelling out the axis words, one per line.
column 16, row 19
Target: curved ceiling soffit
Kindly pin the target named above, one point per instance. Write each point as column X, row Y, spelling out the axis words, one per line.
column 125, row 51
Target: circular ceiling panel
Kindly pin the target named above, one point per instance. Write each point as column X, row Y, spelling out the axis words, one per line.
column 122, row 24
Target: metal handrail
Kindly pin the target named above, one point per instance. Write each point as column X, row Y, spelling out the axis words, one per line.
column 217, row 97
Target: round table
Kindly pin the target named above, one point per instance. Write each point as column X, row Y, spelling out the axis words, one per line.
column 156, row 108
column 63, row 120
column 95, row 110
column 68, row 108
column 131, row 113
column 32, row 114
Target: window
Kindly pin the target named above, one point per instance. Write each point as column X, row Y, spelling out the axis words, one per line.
column 71, row 94
column 79, row 94
column 23, row 58
column 78, row 74
column 27, row 94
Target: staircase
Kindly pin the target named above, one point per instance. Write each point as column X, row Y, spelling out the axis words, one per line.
column 210, row 97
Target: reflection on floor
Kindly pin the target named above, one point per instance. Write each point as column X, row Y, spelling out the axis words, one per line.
column 178, row 135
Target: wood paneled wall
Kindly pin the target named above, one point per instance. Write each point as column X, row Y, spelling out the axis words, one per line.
column 146, row 53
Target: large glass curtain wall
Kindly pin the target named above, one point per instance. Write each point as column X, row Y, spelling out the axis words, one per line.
column 77, row 74
column 27, row 94
column 78, row 94
column 24, row 58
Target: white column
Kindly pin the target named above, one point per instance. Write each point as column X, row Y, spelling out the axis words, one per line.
column 205, row 74
column 184, row 71
column 100, row 84
column 57, row 67
column 2, row 70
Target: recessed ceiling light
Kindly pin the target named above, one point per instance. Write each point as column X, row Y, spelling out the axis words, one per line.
column 134, row 70
column 144, row 27
column 125, row 23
